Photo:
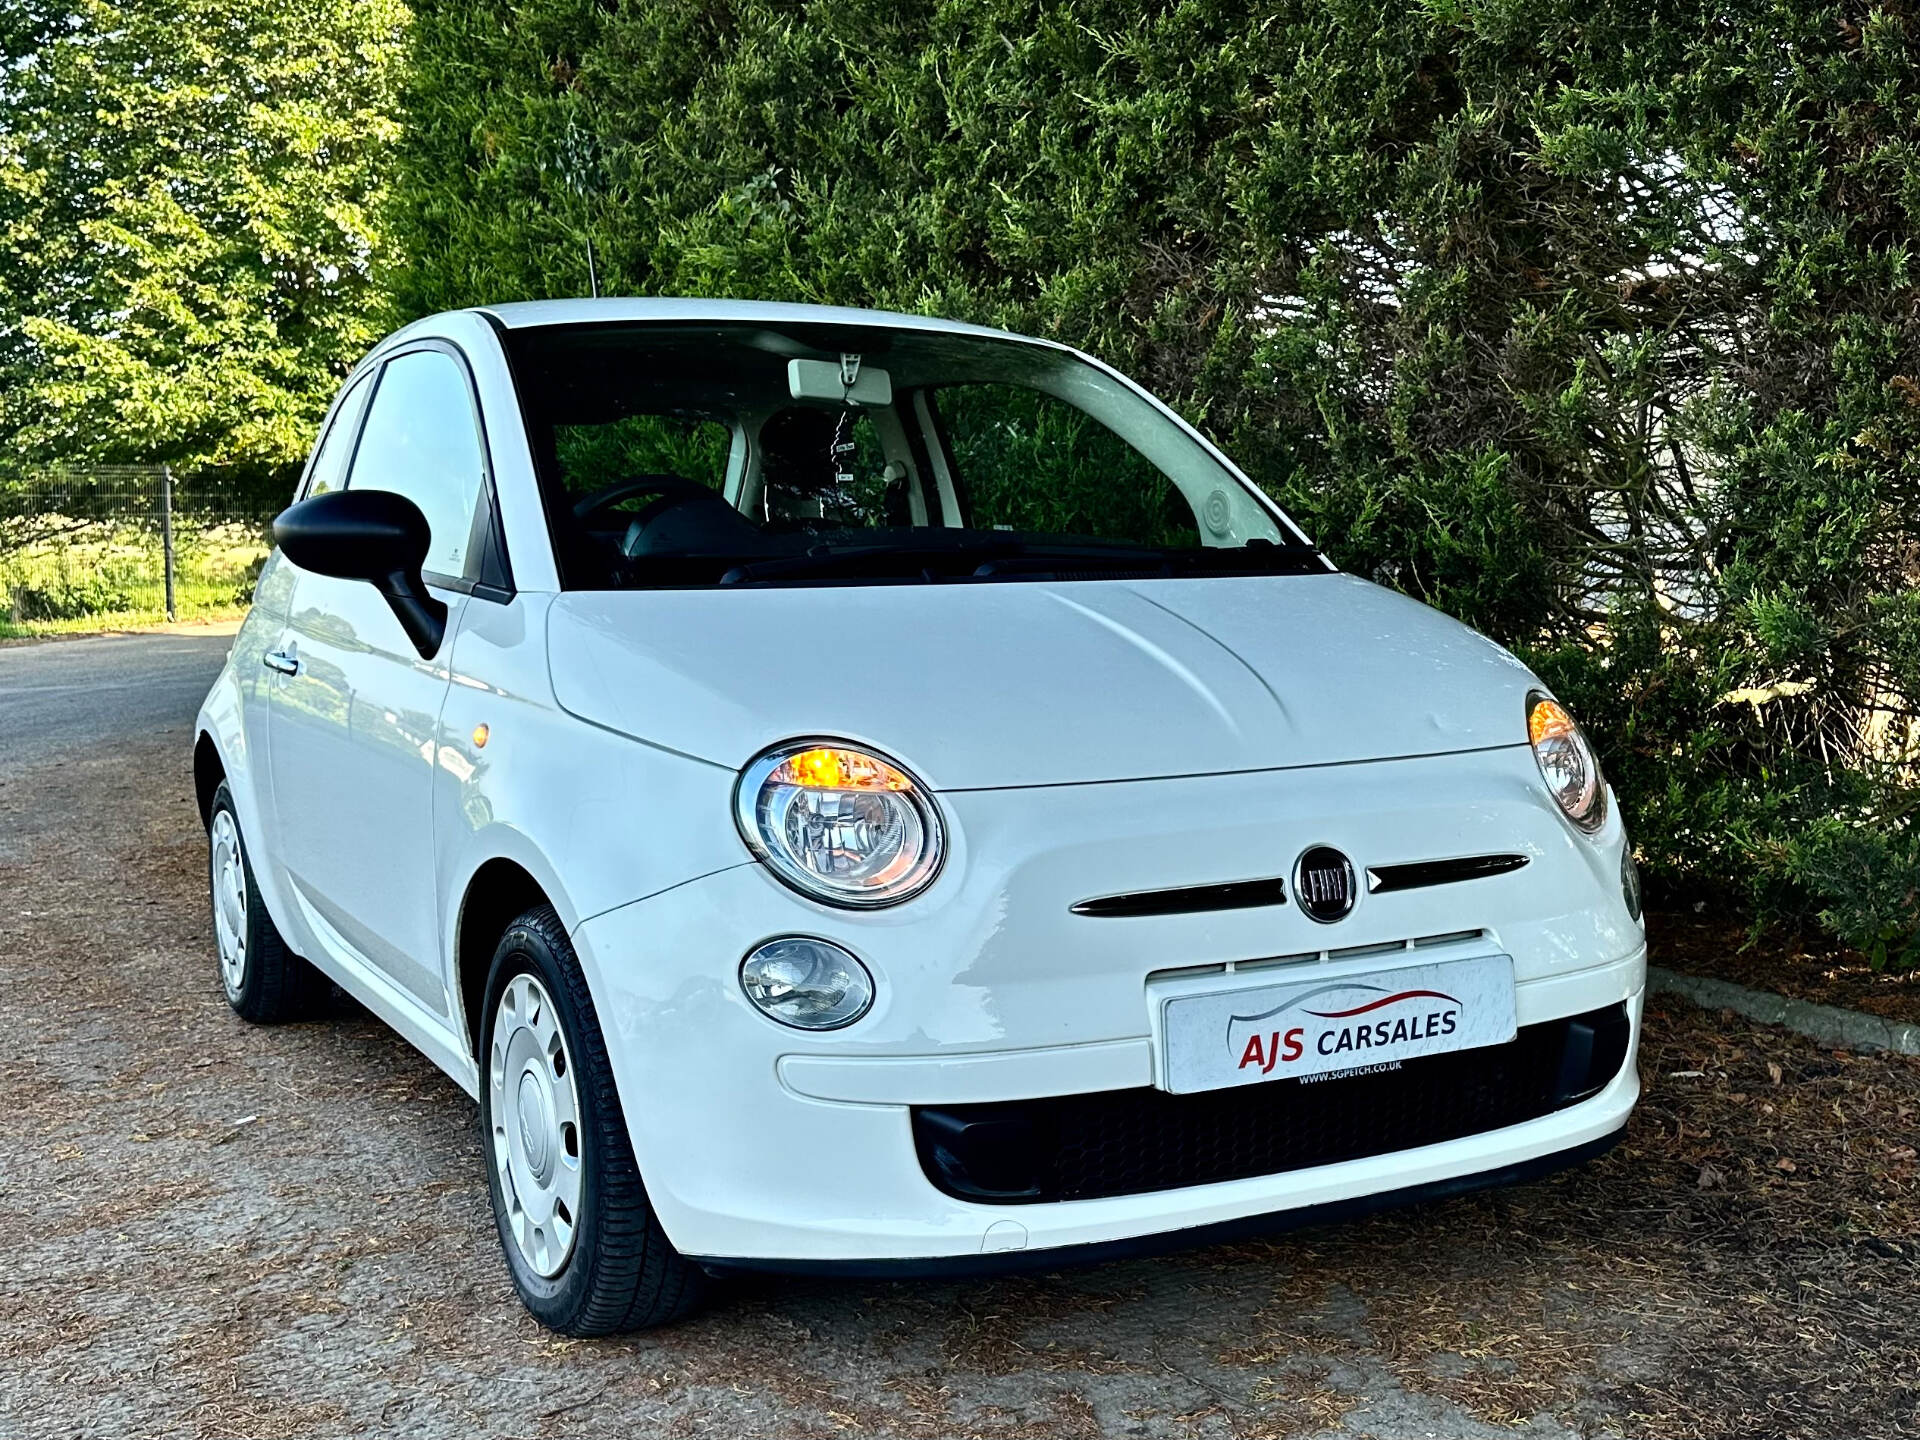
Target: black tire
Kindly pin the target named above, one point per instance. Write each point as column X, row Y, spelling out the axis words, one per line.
column 623, row 1273
column 274, row 985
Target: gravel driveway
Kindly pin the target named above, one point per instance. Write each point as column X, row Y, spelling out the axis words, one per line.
column 225, row 1231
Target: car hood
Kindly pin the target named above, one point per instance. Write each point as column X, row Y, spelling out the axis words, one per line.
column 981, row 686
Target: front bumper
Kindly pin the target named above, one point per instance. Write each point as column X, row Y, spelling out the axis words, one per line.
column 763, row 1144
column 742, row 1166
column 1161, row 1242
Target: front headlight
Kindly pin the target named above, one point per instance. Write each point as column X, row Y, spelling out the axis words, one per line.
column 839, row 824
column 1567, row 762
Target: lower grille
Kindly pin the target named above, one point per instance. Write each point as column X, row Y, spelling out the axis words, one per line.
column 1130, row 1142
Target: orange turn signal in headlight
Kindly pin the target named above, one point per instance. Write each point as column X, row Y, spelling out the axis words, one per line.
column 1548, row 720
column 1567, row 762
column 832, row 768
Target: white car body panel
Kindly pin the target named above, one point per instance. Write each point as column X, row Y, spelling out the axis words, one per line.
column 353, row 737
column 1081, row 739
column 234, row 717
column 987, row 687
column 585, row 844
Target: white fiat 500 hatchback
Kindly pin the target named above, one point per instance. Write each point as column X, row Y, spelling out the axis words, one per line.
column 852, row 792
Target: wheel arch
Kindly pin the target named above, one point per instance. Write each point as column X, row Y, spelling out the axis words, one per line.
column 209, row 769
column 222, row 754
column 498, row 892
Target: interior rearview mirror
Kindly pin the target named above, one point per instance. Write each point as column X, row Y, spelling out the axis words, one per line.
column 370, row 535
column 844, row 381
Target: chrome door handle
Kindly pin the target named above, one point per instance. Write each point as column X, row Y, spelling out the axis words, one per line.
column 281, row 661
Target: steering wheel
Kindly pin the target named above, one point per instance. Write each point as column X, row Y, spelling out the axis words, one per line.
column 672, row 490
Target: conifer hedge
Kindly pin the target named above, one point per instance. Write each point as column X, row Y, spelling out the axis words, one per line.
column 1593, row 322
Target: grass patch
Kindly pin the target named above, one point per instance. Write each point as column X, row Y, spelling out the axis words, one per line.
column 107, row 575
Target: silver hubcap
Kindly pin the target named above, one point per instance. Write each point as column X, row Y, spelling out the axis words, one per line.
column 536, row 1125
column 229, row 879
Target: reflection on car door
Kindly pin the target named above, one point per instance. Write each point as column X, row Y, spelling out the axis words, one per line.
column 352, row 726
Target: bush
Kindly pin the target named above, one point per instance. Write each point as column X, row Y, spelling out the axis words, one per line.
column 1594, row 323
column 71, row 597
column 248, row 580
column 56, row 569
column 1865, row 869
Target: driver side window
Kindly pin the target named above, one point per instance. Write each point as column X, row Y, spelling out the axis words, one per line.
column 421, row 441
column 329, row 465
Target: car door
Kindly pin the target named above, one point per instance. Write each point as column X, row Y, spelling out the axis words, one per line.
column 265, row 627
column 354, row 713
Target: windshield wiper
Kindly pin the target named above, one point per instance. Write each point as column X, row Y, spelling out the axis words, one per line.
column 1258, row 557
column 1011, row 559
column 945, row 559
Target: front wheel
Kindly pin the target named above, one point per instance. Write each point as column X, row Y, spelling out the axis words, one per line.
column 587, row 1254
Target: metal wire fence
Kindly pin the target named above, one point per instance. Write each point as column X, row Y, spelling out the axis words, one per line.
column 123, row 544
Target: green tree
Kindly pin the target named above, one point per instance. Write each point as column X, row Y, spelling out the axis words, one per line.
column 1593, row 321
column 189, row 201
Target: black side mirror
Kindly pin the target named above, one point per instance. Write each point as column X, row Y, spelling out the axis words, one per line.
column 371, row 535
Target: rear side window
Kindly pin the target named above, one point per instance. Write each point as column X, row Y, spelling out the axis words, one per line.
column 595, row 457
column 1029, row 462
column 421, row 441
column 329, row 468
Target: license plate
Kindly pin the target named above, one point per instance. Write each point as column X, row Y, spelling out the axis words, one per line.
column 1317, row 1025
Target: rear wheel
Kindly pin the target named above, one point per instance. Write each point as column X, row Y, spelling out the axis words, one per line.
column 587, row 1254
column 265, row 982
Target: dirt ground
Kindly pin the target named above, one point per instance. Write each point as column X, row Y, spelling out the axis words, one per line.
column 1804, row 966
column 227, row 1231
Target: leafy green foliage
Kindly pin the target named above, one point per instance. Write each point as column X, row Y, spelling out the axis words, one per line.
column 1595, row 323
column 70, row 596
column 100, row 573
column 1028, row 461
column 594, row 456
column 188, row 227
column 1868, row 872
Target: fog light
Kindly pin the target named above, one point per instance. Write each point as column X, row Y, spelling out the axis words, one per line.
column 1630, row 882
column 809, row 984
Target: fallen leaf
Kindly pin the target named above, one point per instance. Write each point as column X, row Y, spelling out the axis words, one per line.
column 233, row 1132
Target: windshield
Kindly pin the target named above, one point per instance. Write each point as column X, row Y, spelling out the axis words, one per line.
column 741, row 454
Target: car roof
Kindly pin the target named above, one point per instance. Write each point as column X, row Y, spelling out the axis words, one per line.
column 521, row 314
